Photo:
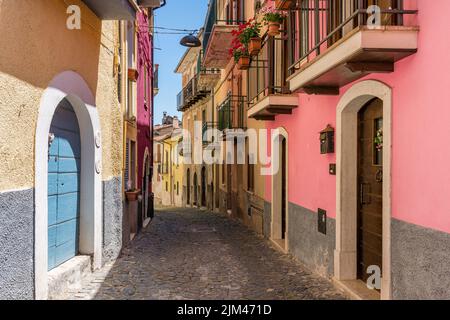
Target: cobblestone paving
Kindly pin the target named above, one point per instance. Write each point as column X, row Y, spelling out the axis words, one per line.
column 193, row 254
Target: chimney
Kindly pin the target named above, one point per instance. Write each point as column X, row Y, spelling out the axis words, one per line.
column 176, row 122
column 164, row 118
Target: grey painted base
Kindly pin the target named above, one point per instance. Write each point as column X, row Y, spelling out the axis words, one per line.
column 16, row 245
column 307, row 244
column 112, row 219
column 420, row 262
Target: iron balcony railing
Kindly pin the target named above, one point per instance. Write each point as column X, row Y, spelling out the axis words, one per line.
column 222, row 12
column 315, row 25
column 205, row 127
column 231, row 113
column 266, row 75
column 191, row 93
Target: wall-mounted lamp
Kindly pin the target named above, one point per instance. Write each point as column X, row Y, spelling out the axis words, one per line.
column 327, row 140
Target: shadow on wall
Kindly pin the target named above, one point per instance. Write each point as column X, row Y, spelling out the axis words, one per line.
column 36, row 44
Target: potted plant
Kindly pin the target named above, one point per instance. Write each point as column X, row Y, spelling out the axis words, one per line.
column 131, row 193
column 249, row 36
column 273, row 18
column 241, row 57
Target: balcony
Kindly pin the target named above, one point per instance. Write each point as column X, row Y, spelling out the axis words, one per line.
column 269, row 95
column 231, row 114
column 113, row 9
column 191, row 94
column 339, row 44
column 208, row 77
column 218, row 27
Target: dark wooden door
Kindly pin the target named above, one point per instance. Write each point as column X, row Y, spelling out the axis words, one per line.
column 370, row 182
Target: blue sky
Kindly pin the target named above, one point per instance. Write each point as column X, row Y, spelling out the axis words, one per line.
column 177, row 14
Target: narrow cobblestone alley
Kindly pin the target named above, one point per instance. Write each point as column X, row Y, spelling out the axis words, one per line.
column 192, row 254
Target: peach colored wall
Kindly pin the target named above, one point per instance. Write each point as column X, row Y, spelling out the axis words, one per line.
column 421, row 129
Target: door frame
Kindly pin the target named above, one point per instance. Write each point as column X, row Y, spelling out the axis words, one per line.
column 345, row 256
column 275, row 203
column 71, row 86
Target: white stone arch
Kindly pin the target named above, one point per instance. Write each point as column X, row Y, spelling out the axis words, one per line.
column 346, row 186
column 278, row 133
column 71, row 86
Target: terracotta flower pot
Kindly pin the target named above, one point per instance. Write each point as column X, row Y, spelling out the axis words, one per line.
column 254, row 47
column 133, row 74
column 132, row 195
column 244, row 63
column 283, row 4
column 274, row 29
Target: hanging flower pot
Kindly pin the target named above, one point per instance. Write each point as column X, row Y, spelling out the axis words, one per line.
column 274, row 29
column 244, row 63
column 132, row 195
column 273, row 18
column 254, row 46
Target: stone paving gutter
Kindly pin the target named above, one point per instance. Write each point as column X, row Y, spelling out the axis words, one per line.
column 193, row 254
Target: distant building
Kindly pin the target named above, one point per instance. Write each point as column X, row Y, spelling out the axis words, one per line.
column 168, row 162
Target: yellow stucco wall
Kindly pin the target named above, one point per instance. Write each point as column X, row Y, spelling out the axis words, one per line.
column 35, row 47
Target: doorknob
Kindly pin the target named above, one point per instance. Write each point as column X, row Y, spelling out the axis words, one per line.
column 379, row 176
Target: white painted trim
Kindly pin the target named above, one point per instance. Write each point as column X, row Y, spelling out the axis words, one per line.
column 71, row 86
column 346, row 187
column 280, row 131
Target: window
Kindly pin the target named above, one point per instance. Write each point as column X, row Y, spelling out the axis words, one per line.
column 223, row 174
column 146, row 101
column 250, row 173
column 131, row 104
column 130, row 165
column 167, row 186
column 178, row 188
column 378, row 142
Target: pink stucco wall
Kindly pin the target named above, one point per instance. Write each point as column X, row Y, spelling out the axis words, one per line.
column 421, row 130
column 144, row 110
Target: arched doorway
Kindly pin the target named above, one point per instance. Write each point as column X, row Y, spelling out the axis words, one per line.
column 363, row 183
column 370, row 192
column 68, row 88
column 280, row 199
column 188, row 187
column 203, row 202
column 195, row 190
column 64, row 171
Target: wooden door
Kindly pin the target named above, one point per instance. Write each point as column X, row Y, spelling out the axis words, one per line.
column 283, row 188
column 370, row 193
column 64, row 168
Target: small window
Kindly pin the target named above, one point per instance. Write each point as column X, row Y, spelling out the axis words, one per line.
column 167, row 186
column 378, row 142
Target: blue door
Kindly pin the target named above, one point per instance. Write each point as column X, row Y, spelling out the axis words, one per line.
column 63, row 186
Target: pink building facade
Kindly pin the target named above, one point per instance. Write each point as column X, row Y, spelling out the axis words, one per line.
column 380, row 197
column 145, row 84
